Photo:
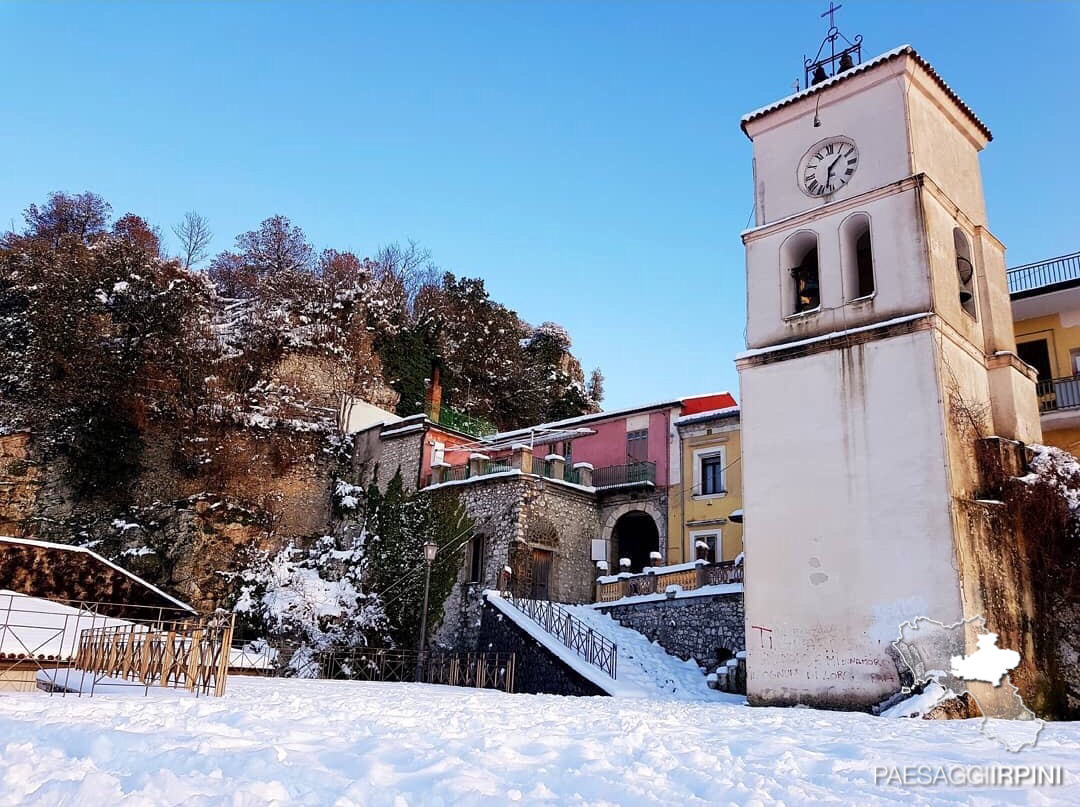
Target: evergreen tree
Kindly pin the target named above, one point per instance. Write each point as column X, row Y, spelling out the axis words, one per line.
column 401, row 523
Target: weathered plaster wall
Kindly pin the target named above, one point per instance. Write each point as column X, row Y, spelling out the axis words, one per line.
column 849, row 527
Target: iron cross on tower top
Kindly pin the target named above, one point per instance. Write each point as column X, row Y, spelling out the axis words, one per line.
column 831, row 11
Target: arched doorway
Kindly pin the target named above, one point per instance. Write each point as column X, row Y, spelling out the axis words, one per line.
column 635, row 536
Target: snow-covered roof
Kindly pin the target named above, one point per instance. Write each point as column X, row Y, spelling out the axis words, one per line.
column 895, row 53
column 595, row 416
column 100, row 559
column 711, row 414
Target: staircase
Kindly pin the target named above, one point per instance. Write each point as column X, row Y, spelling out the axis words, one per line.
column 618, row 660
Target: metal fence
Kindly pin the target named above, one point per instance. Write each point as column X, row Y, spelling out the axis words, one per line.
column 1033, row 276
column 479, row 670
column 40, row 638
column 595, row 648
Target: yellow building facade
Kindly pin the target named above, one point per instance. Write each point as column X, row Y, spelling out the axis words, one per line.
column 701, row 505
column 1046, row 318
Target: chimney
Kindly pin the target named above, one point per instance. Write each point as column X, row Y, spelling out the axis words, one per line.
column 434, row 396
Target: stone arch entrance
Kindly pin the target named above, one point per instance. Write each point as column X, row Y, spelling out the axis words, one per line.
column 655, row 539
column 635, row 536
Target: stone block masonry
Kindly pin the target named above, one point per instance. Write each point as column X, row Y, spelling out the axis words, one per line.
column 536, row 669
column 710, row 629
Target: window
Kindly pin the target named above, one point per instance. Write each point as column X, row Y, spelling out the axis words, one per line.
column 857, row 256
column 965, row 271
column 712, row 475
column 637, row 445
column 712, row 546
column 799, row 262
column 476, row 559
column 568, row 453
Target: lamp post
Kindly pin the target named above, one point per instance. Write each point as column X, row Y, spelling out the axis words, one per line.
column 430, row 550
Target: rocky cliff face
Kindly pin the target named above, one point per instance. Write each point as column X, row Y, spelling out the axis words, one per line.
column 186, row 532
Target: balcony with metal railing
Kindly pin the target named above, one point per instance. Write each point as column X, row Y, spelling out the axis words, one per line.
column 1037, row 278
column 631, row 474
column 613, row 476
column 1058, row 394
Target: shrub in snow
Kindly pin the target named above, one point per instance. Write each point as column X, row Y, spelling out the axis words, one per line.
column 347, row 497
column 624, row 563
column 315, row 598
column 602, row 565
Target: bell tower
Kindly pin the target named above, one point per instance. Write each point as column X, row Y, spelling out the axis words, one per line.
column 879, row 348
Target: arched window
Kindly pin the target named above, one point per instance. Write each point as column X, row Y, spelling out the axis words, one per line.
column 857, row 256
column 799, row 263
column 965, row 270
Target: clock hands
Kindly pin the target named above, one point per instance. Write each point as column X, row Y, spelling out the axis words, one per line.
column 828, row 172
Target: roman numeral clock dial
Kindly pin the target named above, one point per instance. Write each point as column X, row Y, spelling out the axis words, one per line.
column 828, row 166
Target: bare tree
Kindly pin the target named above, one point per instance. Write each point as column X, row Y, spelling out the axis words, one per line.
column 194, row 234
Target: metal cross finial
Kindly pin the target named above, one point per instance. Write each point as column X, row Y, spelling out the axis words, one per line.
column 831, row 11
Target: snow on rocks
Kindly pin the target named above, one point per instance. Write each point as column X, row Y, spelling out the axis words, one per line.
column 1058, row 468
column 295, row 742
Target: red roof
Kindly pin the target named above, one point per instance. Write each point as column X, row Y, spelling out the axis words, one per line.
column 707, row 403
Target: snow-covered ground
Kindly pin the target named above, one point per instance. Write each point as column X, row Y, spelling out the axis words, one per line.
column 286, row 742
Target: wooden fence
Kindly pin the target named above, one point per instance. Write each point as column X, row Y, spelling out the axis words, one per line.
column 190, row 654
column 703, row 574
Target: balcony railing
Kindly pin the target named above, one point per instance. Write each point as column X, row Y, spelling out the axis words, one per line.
column 697, row 576
column 1033, row 276
column 613, row 476
column 635, row 473
column 1058, row 393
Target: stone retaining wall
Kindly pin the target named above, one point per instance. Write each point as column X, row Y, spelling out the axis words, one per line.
column 536, row 669
column 709, row 628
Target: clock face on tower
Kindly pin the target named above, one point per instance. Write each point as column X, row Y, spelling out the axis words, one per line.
column 828, row 166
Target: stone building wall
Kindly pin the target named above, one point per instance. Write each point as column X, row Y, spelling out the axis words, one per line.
column 401, row 452
column 576, row 521
column 536, row 669
column 708, row 629
column 512, row 515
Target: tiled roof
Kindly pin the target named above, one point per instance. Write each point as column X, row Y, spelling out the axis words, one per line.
column 903, row 50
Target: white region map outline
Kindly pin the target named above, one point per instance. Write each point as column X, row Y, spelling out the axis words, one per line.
column 904, row 649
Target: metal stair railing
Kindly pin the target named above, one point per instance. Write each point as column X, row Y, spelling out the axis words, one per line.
column 593, row 647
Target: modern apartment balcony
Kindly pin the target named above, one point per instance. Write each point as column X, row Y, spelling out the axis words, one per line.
column 1059, row 403
column 1045, row 276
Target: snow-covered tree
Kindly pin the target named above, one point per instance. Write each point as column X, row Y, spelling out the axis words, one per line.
column 313, row 600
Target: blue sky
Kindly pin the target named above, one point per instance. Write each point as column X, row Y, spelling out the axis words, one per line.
column 585, row 159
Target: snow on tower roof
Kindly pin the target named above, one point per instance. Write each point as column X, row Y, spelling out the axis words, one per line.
column 895, row 53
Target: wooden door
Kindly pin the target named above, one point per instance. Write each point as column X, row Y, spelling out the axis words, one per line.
column 541, row 575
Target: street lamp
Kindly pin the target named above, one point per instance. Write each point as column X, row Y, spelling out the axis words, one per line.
column 430, row 550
